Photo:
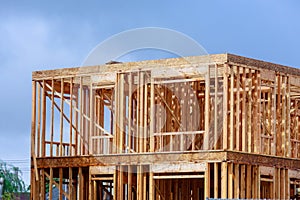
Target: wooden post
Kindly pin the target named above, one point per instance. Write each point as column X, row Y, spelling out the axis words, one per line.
column 130, row 171
column 120, row 183
column 141, row 112
column 38, row 147
column 244, row 113
column 71, row 195
column 249, row 116
column 152, row 118
column 274, row 116
column 139, row 182
column 90, row 184
column 33, row 119
column 231, row 102
column 243, row 182
column 259, row 120
column 50, row 183
column 224, row 180
column 255, row 122
column 115, row 177
column 230, row 180
column 278, row 117
column 287, row 184
column 92, row 123
column 216, row 131
column 145, row 116
column 44, row 119
column 207, row 181
column 216, row 180
column 237, row 182
column 42, row 184
column 207, row 109
column 60, row 184
column 288, row 118
column 71, row 118
column 81, row 184
column 121, row 114
column 248, row 182
column 130, row 133
column 237, row 117
column 225, row 107
column 61, row 118
column 284, row 117
column 52, row 119
column 76, row 119
column 151, row 186
column 81, row 140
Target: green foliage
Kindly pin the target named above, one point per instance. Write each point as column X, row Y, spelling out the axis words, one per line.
column 7, row 196
column 13, row 182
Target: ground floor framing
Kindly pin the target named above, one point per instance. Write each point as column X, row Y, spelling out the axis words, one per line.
column 184, row 175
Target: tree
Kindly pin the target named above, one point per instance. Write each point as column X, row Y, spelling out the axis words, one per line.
column 13, row 182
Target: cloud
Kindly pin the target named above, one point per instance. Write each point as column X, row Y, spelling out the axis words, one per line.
column 28, row 43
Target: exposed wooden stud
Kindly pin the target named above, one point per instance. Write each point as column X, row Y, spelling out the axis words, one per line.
column 130, row 171
column 60, row 188
column 70, row 186
column 259, row 120
column 255, row 122
column 224, row 180
column 231, row 102
column 236, row 181
column 43, row 137
column 216, row 131
column 81, row 184
column 81, row 140
column 248, row 181
column 61, row 117
column 288, row 118
column 243, row 182
column 38, row 133
column 225, row 107
column 230, row 180
column 152, row 117
column 249, row 112
column 52, row 118
column 207, row 109
column 71, row 118
column 91, row 113
column 43, row 185
column 33, row 120
column 130, row 132
column 51, row 183
column 244, row 112
column 207, row 181
column 216, row 180
column 274, row 116
column 237, row 117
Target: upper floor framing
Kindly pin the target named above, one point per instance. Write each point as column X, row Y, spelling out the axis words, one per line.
column 198, row 103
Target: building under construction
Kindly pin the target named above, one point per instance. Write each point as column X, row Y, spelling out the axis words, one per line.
column 213, row 126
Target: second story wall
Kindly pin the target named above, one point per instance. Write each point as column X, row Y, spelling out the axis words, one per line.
column 179, row 107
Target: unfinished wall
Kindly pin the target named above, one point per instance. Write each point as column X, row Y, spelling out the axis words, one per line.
column 112, row 131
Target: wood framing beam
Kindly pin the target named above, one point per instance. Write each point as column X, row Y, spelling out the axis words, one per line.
column 130, row 159
column 148, row 158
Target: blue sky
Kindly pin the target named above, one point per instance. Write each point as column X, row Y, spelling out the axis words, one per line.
column 37, row 35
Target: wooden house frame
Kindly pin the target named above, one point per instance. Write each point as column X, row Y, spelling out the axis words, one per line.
column 213, row 126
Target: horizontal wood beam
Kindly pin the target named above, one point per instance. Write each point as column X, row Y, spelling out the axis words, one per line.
column 262, row 160
column 130, row 159
column 173, row 158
